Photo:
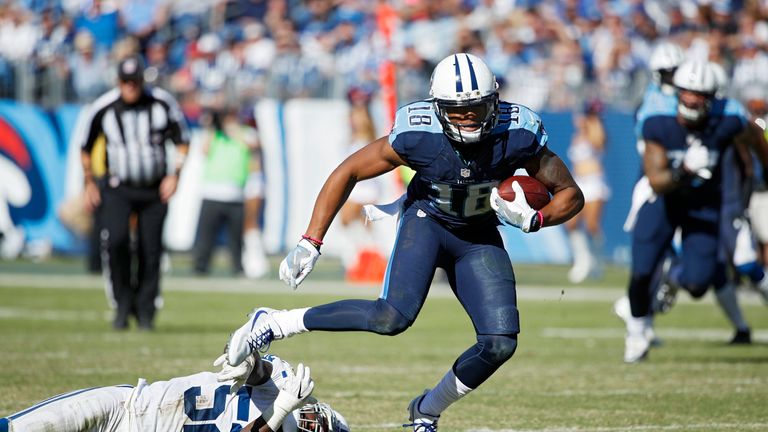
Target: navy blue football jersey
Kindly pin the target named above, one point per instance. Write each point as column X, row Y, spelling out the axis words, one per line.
column 452, row 182
column 726, row 120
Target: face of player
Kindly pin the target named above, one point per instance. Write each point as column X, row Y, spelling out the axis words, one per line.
column 467, row 118
column 693, row 107
column 130, row 91
column 309, row 422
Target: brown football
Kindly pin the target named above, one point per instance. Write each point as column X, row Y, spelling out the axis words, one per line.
column 536, row 193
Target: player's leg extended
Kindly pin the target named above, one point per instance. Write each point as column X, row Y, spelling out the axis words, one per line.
column 99, row 408
column 406, row 283
column 484, row 283
column 651, row 237
column 409, row 274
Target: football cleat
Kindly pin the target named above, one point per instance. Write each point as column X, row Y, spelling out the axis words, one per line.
column 666, row 295
column 255, row 335
column 741, row 337
column 419, row 421
column 623, row 310
column 635, row 348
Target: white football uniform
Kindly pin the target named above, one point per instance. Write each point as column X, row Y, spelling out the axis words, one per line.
column 194, row 403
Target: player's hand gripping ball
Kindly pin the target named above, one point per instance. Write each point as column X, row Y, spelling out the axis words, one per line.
column 536, row 194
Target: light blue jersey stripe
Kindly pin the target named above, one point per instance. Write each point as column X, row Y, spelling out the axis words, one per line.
column 286, row 178
column 56, row 399
column 385, row 287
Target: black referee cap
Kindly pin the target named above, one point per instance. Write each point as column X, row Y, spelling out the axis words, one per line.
column 131, row 69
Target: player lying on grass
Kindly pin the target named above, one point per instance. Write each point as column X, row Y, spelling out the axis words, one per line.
column 261, row 394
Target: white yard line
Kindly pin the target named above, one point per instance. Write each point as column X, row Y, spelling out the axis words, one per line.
column 51, row 315
column 564, row 293
column 672, row 427
column 676, row 333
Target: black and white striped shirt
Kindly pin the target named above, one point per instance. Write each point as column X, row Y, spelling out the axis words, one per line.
column 136, row 134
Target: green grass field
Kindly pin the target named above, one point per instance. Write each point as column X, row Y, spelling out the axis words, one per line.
column 567, row 374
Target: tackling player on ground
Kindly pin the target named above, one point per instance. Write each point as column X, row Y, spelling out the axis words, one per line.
column 261, row 394
column 461, row 143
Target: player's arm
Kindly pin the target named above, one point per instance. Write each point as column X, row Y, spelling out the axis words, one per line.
column 567, row 199
column 370, row 161
column 294, row 393
column 661, row 177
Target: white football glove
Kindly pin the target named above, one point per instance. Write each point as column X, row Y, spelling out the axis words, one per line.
column 293, row 394
column 299, row 263
column 516, row 213
column 696, row 161
column 239, row 373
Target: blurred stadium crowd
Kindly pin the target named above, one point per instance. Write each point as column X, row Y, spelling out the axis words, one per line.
column 549, row 54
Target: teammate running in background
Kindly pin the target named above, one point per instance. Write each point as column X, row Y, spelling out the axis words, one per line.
column 683, row 163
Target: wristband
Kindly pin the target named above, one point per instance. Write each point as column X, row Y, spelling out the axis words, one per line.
column 274, row 417
column 537, row 222
column 315, row 242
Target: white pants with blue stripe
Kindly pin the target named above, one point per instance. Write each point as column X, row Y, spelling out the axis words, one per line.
column 100, row 409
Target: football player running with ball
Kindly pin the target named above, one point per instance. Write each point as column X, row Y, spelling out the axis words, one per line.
column 461, row 143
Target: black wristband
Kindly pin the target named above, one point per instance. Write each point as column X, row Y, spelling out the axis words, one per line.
column 536, row 222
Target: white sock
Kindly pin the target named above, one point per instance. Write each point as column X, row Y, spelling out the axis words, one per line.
column 726, row 298
column 446, row 392
column 636, row 325
column 291, row 322
column 580, row 247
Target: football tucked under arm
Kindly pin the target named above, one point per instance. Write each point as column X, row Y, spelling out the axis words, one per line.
column 536, row 194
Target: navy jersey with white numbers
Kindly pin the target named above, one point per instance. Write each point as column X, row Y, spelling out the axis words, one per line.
column 452, row 182
column 726, row 120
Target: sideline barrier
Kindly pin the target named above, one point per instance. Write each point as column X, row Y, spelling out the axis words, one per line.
column 303, row 140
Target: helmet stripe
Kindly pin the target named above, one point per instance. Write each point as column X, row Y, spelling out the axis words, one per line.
column 472, row 75
column 459, row 85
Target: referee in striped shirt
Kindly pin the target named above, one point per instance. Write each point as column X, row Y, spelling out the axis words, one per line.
column 137, row 121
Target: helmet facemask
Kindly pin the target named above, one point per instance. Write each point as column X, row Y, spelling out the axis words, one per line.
column 320, row 417
column 697, row 84
column 485, row 108
column 696, row 108
column 462, row 84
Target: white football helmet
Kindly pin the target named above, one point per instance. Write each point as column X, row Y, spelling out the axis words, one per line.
column 698, row 77
column 464, row 80
column 721, row 77
column 320, row 417
column 665, row 59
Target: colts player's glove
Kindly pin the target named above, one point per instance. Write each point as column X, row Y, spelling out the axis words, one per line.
column 299, row 262
column 239, row 373
column 696, row 161
column 516, row 213
column 293, row 393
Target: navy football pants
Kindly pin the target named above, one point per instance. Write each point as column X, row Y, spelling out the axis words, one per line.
column 652, row 236
column 479, row 272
